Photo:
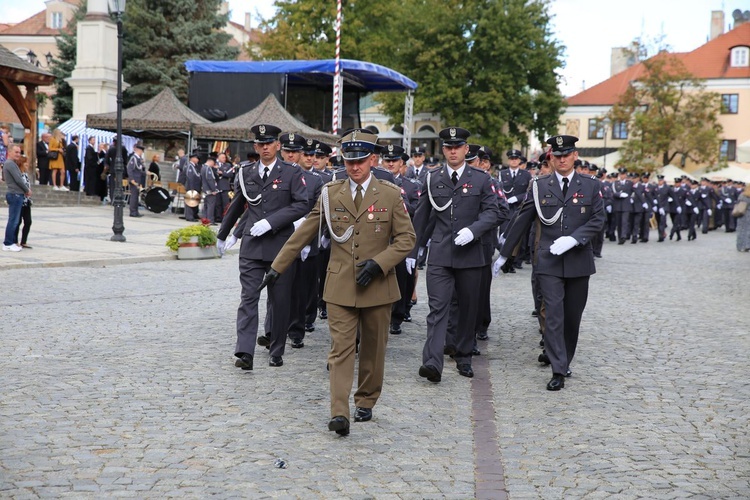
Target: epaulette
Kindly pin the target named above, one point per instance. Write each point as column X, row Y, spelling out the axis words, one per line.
column 435, row 169
column 477, row 169
column 542, row 177
column 390, row 184
column 337, row 181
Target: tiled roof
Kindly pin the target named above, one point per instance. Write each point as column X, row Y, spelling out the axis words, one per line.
column 708, row 61
column 5, row 26
column 34, row 25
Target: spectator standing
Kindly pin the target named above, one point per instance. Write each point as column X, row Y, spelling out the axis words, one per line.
column 154, row 166
column 90, row 168
column 17, row 189
column 42, row 160
column 23, row 166
column 743, row 223
column 57, row 161
column 5, row 141
column 73, row 164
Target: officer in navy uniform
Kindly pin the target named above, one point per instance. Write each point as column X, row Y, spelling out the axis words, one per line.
column 418, row 171
column 393, row 158
column 622, row 189
column 193, row 182
column 705, row 206
column 677, row 213
column 225, row 171
column 322, row 154
column 639, row 202
column 728, row 198
column 570, row 209
column 136, row 178
column 515, row 182
column 693, row 206
column 210, row 188
column 661, row 206
column 456, row 209
column 276, row 196
column 305, row 287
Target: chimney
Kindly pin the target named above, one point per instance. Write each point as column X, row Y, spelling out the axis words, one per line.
column 717, row 23
column 224, row 8
column 248, row 21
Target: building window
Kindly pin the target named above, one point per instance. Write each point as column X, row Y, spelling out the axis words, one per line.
column 730, row 103
column 596, row 129
column 57, row 20
column 728, row 150
column 740, row 57
column 619, row 130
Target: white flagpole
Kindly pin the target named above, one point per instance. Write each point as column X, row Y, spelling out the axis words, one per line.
column 338, row 89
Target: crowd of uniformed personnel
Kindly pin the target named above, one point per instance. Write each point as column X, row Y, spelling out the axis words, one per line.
column 343, row 238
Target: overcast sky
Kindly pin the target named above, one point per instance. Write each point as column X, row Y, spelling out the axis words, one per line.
column 588, row 28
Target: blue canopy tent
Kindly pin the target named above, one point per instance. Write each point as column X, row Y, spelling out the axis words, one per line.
column 305, row 88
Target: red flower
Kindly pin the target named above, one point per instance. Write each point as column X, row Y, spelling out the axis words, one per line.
column 205, row 222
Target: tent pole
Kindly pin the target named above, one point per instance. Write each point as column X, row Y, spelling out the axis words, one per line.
column 337, row 88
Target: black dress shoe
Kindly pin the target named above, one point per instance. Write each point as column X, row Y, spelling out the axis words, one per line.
column 535, row 313
column 465, row 370
column 518, row 265
column 449, row 350
column 264, row 340
column 413, row 302
column 541, row 343
column 430, row 373
column 476, row 352
column 245, row 361
column 568, row 373
column 482, row 336
column 395, row 330
column 275, row 361
column 557, row 382
column 407, row 318
column 136, row 215
column 309, row 327
column 512, row 270
column 362, row 414
column 340, row 425
column 297, row 343
column 621, row 242
column 543, row 358
column 323, row 314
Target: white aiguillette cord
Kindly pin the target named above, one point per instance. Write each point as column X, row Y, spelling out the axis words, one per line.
column 253, row 201
column 545, row 221
column 432, row 200
column 327, row 213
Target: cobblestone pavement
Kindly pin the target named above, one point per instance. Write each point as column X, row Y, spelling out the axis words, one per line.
column 119, row 381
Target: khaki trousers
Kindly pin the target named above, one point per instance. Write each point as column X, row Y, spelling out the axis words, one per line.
column 343, row 322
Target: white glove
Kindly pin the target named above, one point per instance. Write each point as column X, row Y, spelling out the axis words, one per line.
column 231, row 241
column 670, row 199
column 221, row 246
column 727, row 200
column 298, row 223
column 562, row 245
column 304, row 253
column 645, row 205
column 260, row 228
column 512, row 200
column 623, row 195
column 410, row 265
column 497, row 265
column 324, row 242
column 609, row 209
column 420, row 253
column 661, row 211
column 631, row 201
column 679, row 210
column 703, row 195
column 709, row 212
column 688, row 203
column 464, row 237
column 501, row 239
column 695, row 210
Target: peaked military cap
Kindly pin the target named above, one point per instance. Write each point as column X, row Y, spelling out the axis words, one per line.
column 418, row 151
column 265, row 133
column 358, row 145
column 562, row 144
column 454, row 136
column 660, row 177
column 622, row 170
column 473, row 152
column 292, row 141
column 485, row 153
column 513, row 153
column 392, row 152
column 322, row 149
column 196, row 153
column 310, row 146
column 431, row 160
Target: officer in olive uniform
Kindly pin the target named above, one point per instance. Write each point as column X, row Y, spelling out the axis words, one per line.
column 276, row 196
column 456, row 209
column 569, row 207
column 371, row 233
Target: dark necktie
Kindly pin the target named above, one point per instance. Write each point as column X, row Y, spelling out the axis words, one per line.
column 454, row 177
column 358, row 197
column 265, row 174
column 565, row 186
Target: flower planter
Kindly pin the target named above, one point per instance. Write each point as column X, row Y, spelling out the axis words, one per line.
column 191, row 250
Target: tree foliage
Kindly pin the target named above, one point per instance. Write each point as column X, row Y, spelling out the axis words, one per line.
column 160, row 35
column 669, row 115
column 62, row 67
column 487, row 65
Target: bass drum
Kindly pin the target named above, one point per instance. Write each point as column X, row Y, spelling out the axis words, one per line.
column 156, row 199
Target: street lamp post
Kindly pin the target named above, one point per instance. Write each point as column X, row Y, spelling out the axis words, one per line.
column 117, row 7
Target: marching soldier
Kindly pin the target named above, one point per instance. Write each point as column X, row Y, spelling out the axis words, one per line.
column 692, row 207
column 515, row 182
column 456, row 209
column 210, row 188
column 570, row 209
column 661, row 206
column 371, row 233
column 622, row 189
column 226, row 172
column 419, row 170
column 276, row 196
column 728, row 196
column 193, row 183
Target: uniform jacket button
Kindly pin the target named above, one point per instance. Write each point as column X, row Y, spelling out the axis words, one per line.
column 356, row 257
column 356, row 245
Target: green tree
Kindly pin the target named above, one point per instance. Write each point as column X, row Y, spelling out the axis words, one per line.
column 160, row 35
column 488, row 65
column 669, row 115
column 62, row 67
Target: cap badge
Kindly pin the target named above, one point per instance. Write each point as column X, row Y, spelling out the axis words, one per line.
column 354, row 136
column 559, row 141
column 291, row 137
column 390, row 148
column 453, row 132
column 309, row 142
column 262, row 129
